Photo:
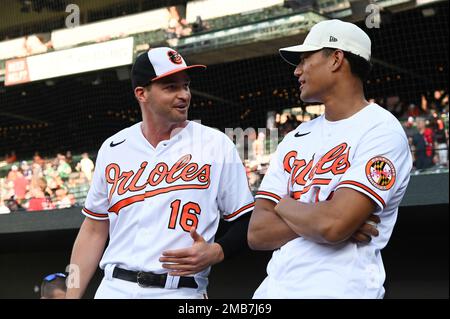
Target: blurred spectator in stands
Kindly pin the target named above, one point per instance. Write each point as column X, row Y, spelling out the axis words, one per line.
column 422, row 160
column 441, row 140
column 26, row 170
column 36, row 44
column 49, row 168
column 37, row 159
column 258, row 148
column 413, row 110
column 177, row 25
column 409, row 127
column 38, row 201
column 429, row 139
column 7, row 188
column 63, row 198
column 8, row 191
column 69, row 159
column 291, row 123
column 13, row 205
column 445, row 104
column 20, row 186
column 423, row 104
column 64, row 169
column 36, row 170
column 49, row 172
column 253, row 175
column 394, row 105
column 86, row 165
column 72, row 182
column 13, row 173
column 3, row 194
column 11, row 157
column 438, row 100
column 199, row 25
column 53, row 184
column 3, row 208
column 41, row 183
column 54, row 286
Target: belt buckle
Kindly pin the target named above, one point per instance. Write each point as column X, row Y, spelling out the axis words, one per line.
column 141, row 278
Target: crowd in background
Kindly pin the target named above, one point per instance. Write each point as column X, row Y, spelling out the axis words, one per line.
column 44, row 184
column 425, row 124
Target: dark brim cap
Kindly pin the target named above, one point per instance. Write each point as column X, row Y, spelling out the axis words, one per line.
column 156, row 64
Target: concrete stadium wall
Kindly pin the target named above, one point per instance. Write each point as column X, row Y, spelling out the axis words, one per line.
column 416, row 260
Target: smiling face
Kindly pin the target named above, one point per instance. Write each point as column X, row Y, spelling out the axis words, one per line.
column 168, row 99
column 313, row 74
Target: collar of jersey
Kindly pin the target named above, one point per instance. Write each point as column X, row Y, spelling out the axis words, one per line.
column 163, row 143
column 348, row 119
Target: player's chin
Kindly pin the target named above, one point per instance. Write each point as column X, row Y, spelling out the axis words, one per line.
column 304, row 96
column 180, row 115
column 307, row 98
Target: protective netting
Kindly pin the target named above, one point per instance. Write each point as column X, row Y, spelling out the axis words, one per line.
column 77, row 113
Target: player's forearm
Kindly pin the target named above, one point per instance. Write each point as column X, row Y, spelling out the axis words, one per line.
column 85, row 262
column 332, row 221
column 86, row 255
column 315, row 221
column 267, row 231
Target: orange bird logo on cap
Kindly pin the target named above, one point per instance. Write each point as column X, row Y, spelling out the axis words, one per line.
column 175, row 57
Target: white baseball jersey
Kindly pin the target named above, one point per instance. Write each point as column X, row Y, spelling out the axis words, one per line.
column 367, row 152
column 153, row 196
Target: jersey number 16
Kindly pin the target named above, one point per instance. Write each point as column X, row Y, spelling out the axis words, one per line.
column 188, row 218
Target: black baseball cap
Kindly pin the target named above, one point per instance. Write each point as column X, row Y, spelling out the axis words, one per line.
column 156, row 64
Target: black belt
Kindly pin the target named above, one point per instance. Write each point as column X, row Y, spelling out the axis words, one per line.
column 149, row 279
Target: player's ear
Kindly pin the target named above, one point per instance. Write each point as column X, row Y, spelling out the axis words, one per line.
column 337, row 59
column 139, row 93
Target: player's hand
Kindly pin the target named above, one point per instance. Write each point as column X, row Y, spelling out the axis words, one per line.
column 191, row 260
column 368, row 230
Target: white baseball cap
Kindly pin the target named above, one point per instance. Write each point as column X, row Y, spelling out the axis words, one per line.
column 156, row 64
column 335, row 34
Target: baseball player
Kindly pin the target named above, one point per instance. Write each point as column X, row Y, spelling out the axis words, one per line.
column 329, row 176
column 159, row 190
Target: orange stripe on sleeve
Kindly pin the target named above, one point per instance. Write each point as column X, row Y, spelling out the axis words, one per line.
column 91, row 213
column 240, row 210
column 364, row 187
column 263, row 193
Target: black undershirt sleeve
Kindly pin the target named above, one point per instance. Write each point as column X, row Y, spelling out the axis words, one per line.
column 234, row 239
